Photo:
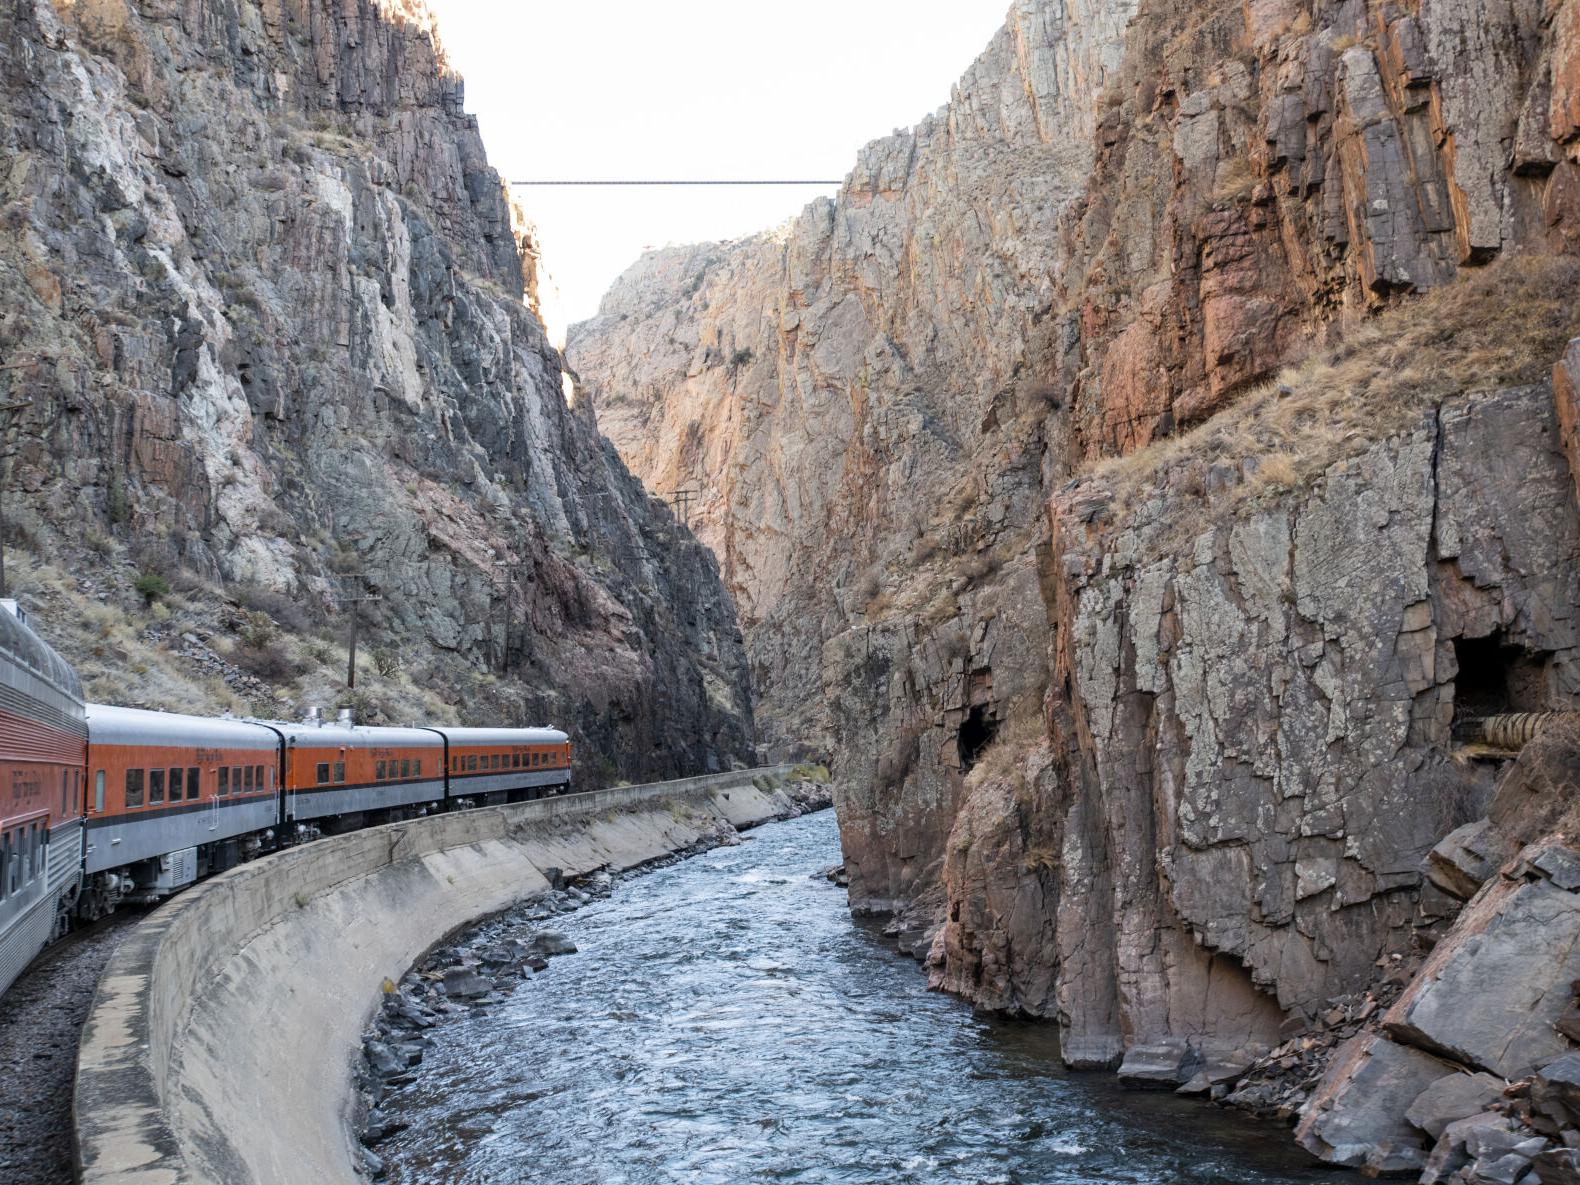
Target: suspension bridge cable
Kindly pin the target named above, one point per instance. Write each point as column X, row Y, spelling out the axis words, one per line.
column 680, row 182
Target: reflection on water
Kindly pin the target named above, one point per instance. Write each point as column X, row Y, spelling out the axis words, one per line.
column 726, row 1021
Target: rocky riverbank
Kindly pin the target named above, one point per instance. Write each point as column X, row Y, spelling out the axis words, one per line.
column 479, row 968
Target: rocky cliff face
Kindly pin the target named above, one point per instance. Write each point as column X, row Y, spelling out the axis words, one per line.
column 264, row 297
column 1138, row 476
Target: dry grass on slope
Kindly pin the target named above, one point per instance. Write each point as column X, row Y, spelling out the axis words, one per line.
column 194, row 649
column 1502, row 326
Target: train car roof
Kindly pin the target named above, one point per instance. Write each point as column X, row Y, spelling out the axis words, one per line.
column 28, row 650
column 110, row 725
column 358, row 736
column 504, row 736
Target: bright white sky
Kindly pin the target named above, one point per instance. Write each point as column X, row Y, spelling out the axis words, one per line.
column 693, row 88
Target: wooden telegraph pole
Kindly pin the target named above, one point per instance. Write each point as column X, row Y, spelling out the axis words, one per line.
column 501, row 653
column 8, row 412
column 680, row 500
column 351, row 659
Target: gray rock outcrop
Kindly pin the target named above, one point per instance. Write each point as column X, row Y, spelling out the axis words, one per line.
column 276, row 318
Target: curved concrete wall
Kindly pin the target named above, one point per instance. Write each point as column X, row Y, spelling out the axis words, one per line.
column 220, row 1044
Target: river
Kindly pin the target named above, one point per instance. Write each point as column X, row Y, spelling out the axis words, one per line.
column 726, row 1021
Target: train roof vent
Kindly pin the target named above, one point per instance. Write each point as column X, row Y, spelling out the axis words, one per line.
column 343, row 718
column 314, row 715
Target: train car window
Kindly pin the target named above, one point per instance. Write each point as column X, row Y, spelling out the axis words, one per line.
column 378, row 770
column 156, row 786
column 246, row 779
column 134, row 787
column 194, row 783
column 235, row 779
column 323, row 773
column 271, row 777
column 405, row 768
column 224, row 782
column 32, row 852
column 340, row 771
column 5, row 866
column 98, row 792
column 176, row 782
column 416, row 768
column 257, row 777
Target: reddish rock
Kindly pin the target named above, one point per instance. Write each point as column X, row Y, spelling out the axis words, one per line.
column 1566, row 398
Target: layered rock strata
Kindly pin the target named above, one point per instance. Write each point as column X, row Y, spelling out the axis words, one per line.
column 1145, row 730
column 274, row 316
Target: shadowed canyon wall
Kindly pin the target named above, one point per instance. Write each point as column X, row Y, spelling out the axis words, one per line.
column 1138, row 476
column 276, row 320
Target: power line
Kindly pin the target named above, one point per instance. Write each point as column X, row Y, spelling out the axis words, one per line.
column 680, row 182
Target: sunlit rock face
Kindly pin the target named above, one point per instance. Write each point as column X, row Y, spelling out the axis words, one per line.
column 277, row 318
column 1154, row 772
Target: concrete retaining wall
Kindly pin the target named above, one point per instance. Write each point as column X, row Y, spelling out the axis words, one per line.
column 220, row 1044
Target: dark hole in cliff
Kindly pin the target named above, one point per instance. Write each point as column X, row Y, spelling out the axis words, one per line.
column 977, row 731
column 1495, row 677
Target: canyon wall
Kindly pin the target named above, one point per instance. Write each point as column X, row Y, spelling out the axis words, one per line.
column 1140, row 476
column 274, row 320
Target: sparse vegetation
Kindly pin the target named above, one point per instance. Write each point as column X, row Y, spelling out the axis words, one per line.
column 151, row 586
column 268, row 661
column 117, row 506
column 1501, row 326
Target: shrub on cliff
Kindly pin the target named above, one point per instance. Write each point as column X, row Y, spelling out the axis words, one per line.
column 269, row 662
column 151, row 586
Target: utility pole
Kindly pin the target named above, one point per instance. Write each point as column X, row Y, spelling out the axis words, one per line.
column 501, row 655
column 351, row 660
column 8, row 411
column 680, row 500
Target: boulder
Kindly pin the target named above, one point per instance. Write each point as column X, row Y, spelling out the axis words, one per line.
column 462, row 983
column 1467, row 857
column 1451, row 1098
column 546, row 944
column 505, row 954
column 1558, row 1166
column 1160, row 1065
column 1356, row 1117
column 1493, row 988
column 1449, row 1154
column 1555, row 1091
column 384, row 1061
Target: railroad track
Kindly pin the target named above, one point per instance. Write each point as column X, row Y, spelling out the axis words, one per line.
column 40, row 1017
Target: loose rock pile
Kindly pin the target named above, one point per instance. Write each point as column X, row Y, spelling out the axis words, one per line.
column 478, row 971
column 1278, row 1084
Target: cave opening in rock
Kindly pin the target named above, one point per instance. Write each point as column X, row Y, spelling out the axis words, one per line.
column 977, row 731
column 1496, row 677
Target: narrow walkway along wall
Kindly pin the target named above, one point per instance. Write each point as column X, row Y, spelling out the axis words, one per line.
column 220, row 1044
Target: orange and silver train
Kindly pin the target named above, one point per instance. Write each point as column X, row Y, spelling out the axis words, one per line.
column 102, row 805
